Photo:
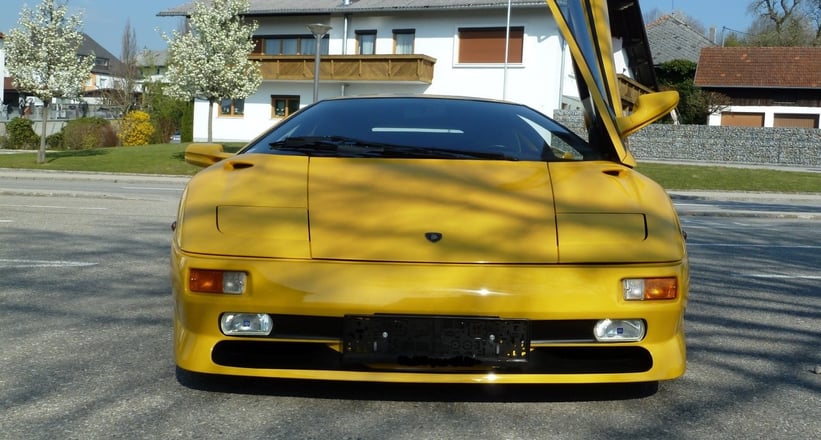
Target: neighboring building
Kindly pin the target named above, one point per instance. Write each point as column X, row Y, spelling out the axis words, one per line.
column 152, row 64
column 107, row 71
column 383, row 46
column 766, row 86
column 672, row 39
column 450, row 47
column 104, row 76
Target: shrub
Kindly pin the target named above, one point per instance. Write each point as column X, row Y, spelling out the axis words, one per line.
column 136, row 128
column 55, row 141
column 87, row 133
column 21, row 135
column 187, row 123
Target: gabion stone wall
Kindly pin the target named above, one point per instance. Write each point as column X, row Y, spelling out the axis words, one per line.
column 701, row 143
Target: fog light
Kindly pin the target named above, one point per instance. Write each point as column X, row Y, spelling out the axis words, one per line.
column 216, row 281
column 637, row 289
column 619, row 330
column 246, row 324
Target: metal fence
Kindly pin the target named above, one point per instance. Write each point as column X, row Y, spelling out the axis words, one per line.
column 61, row 112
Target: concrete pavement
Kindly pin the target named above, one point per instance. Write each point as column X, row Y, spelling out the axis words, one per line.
column 747, row 204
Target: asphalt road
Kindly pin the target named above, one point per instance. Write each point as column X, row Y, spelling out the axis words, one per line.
column 85, row 339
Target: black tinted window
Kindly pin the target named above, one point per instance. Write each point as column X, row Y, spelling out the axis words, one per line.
column 435, row 123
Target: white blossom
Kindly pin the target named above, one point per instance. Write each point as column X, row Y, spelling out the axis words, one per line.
column 210, row 61
column 41, row 56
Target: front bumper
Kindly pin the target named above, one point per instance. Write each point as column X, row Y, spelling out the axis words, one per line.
column 307, row 300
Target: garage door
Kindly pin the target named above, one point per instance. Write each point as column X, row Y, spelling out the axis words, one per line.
column 731, row 119
column 795, row 121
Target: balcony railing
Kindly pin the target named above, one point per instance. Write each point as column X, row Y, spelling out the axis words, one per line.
column 395, row 68
column 630, row 90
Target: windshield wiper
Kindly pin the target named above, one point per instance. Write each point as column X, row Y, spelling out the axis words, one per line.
column 350, row 147
column 328, row 146
column 443, row 153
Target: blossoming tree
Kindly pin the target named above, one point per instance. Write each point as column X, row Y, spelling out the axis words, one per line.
column 41, row 57
column 210, row 61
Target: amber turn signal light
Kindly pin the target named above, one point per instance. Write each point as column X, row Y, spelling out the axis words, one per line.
column 216, row 281
column 637, row 289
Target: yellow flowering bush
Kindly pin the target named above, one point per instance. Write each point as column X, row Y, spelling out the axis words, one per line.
column 136, row 128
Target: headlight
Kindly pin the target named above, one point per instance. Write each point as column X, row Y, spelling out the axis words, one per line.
column 246, row 324
column 637, row 289
column 619, row 330
column 217, row 281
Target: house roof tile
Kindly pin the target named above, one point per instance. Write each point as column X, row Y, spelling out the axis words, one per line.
column 673, row 39
column 760, row 67
column 89, row 46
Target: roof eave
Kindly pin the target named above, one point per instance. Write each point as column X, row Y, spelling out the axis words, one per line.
column 352, row 10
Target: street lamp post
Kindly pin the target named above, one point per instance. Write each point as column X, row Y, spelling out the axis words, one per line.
column 319, row 30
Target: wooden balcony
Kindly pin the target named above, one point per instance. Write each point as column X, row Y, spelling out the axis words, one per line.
column 630, row 90
column 348, row 68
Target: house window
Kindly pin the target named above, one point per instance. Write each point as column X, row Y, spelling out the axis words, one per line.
column 366, row 42
column 232, row 107
column 290, row 45
column 403, row 41
column 101, row 62
column 283, row 106
column 487, row 45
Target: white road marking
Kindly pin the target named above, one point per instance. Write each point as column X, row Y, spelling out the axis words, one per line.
column 88, row 208
column 25, row 264
column 782, row 276
column 149, row 188
column 770, row 246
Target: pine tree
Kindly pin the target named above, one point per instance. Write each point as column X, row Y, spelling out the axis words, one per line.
column 41, row 57
column 210, row 61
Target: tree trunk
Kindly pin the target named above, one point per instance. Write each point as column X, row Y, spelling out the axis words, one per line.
column 210, row 118
column 41, row 154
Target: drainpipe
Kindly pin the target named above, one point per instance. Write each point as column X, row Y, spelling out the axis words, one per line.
column 507, row 52
column 345, row 25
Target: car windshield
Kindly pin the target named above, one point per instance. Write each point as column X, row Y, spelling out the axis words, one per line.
column 423, row 127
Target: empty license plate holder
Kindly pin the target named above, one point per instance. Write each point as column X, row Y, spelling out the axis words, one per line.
column 435, row 340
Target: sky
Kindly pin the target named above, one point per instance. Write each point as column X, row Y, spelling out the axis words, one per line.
column 104, row 20
column 731, row 14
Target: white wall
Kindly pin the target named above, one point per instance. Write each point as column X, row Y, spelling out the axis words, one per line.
column 536, row 82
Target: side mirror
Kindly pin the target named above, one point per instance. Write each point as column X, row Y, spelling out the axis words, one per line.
column 205, row 155
column 649, row 108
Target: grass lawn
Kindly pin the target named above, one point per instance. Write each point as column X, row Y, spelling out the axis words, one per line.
column 168, row 159
column 701, row 177
column 145, row 159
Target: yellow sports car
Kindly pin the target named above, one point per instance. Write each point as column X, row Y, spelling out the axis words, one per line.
column 436, row 239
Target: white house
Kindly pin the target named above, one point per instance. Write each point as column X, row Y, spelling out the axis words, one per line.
column 448, row 47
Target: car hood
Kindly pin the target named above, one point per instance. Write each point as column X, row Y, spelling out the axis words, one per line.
column 426, row 211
